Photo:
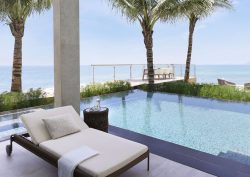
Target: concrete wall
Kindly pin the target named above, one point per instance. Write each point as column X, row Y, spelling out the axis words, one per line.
column 67, row 53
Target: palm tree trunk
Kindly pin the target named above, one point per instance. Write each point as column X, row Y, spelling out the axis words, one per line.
column 148, row 41
column 17, row 29
column 192, row 23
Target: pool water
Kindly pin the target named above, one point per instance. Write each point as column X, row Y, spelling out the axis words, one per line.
column 215, row 127
column 11, row 124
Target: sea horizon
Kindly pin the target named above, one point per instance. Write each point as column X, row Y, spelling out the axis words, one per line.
column 43, row 76
column 230, row 64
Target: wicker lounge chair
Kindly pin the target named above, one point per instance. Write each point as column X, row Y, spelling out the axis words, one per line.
column 116, row 155
column 225, row 82
column 247, row 86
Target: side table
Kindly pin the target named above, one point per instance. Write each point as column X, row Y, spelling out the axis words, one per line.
column 97, row 119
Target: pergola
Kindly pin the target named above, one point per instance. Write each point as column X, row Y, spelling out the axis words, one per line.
column 67, row 53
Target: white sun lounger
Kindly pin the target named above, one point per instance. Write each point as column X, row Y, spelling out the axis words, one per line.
column 115, row 154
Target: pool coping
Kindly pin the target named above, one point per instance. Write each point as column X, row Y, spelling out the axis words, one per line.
column 202, row 161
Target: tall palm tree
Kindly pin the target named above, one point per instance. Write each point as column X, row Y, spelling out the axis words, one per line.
column 195, row 10
column 147, row 13
column 15, row 13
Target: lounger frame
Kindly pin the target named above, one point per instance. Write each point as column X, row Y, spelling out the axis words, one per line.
column 226, row 83
column 23, row 141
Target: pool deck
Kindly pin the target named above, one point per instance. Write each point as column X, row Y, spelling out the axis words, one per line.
column 138, row 82
column 167, row 159
column 24, row 164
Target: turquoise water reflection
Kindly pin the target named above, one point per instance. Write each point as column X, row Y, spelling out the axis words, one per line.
column 211, row 126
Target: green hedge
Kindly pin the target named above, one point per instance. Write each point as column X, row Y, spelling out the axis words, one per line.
column 104, row 88
column 12, row 100
column 203, row 90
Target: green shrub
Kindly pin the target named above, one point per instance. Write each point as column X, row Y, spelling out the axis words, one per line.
column 1, row 101
column 202, row 90
column 224, row 92
column 104, row 88
column 13, row 100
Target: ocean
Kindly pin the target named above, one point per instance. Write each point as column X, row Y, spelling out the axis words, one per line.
column 43, row 76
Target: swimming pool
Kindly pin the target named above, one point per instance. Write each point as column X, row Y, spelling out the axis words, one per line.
column 211, row 126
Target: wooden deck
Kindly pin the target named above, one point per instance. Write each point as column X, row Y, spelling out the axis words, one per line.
column 137, row 82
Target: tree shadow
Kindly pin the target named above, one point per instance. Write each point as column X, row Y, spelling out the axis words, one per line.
column 148, row 113
column 124, row 112
column 242, row 158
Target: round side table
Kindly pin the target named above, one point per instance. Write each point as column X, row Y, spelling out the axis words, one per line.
column 97, row 119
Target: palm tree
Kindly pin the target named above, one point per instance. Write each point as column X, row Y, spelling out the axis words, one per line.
column 195, row 10
column 147, row 13
column 15, row 13
column 2, row 15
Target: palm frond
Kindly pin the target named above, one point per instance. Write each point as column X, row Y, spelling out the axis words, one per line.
column 147, row 12
column 20, row 9
column 201, row 8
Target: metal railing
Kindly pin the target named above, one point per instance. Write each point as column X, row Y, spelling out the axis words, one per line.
column 135, row 71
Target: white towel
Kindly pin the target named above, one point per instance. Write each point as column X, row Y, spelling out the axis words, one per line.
column 68, row 162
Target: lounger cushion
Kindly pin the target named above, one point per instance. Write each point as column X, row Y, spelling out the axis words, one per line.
column 61, row 125
column 114, row 152
column 36, row 127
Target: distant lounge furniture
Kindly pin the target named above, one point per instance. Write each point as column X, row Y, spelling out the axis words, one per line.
column 167, row 72
column 160, row 73
column 116, row 155
column 247, row 86
column 226, row 83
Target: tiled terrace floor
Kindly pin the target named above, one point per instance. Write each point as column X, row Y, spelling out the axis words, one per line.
column 24, row 164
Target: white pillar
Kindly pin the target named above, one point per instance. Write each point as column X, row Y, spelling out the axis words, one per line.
column 67, row 53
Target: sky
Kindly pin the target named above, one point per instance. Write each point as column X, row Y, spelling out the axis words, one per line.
column 108, row 38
